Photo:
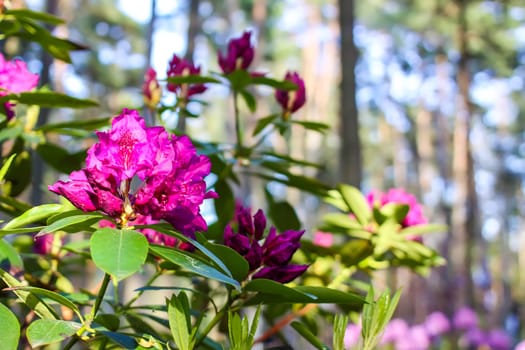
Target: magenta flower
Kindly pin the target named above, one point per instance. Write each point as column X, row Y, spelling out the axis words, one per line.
column 43, row 244
column 437, row 324
column 499, row 340
column 292, row 100
column 465, row 318
column 151, row 90
column 415, row 215
column 180, row 67
column 15, row 78
column 323, row 239
column 239, row 55
column 168, row 171
column 271, row 259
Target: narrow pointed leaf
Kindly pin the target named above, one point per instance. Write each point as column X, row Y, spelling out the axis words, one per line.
column 43, row 332
column 85, row 220
column 309, row 336
column 356, row 202
column 33, row 215
column 9, row 257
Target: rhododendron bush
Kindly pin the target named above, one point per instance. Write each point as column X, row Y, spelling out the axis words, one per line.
column 151, row 204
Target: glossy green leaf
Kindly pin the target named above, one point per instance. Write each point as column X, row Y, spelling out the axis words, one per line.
column 62, row 300
column 249, row 99
column 43, row 332
column 263, row 123
column 191, row 79
column 315, row 126
column 270, row 287
column 283, row 216
column 239, row 79
column 277, row 84
column 32, row 301
column 59, row 158
column 18, row 176
column 39, row 16
column 88, row 124
column 238, row 265
column 356, row 202
column 309, row 336
column 5, row 166
column 9, row 257
column 119, row 253
column 123, row 340
column 33, row 215
column 423, row 229
column 9, row 329
column 330, row 295
column 193, row 264
column 49, row 99
column 179, row 321
column 84, row 220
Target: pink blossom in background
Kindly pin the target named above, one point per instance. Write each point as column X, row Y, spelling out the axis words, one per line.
column 416, row 339
column 15, row 78
column 151, row 90
column 323, row 239
column 169, row 172
column 415, row 215
column 520, row 345
column 498, row 339
column 239, row 54
column 178, row 67
column 437, row 323
column 395, row 329
column 291, row 101
column 465, row 318
column 43, row 244
column 352, row 335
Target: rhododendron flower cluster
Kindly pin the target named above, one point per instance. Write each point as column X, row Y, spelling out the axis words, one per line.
column 292, row 100
column 15, row 78
column 239, row 54
column 271, row 258
column 415, row 215
column 180, row 67
column 136, row 171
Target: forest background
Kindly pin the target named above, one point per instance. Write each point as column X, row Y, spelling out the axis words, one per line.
column 422, row 94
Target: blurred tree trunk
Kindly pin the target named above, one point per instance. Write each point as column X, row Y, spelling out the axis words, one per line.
column 350, row 163
column 464, row 225
column 194, row 24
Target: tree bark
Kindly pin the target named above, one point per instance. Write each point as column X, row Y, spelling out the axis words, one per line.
column 350, row 163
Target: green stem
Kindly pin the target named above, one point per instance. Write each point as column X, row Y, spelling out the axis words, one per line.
column 71, row 342
column 238, row 130
column 100, row 296
column 216, row 319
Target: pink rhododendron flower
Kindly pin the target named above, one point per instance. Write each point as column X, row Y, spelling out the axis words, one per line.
column 151, row 90
column 292, row 100
column 323, row 239
column 180, row 67
column 271, row 259
column 465, row 318
column 239, row 54
column 44, row 244
column 437, row 323
column 15, row 78
column 168, row 171
column 352, row 335
column 415, row 215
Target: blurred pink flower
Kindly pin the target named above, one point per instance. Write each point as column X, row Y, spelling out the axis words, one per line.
column 239, row 54
column 15, row 78
column 520, row 345
column 352, row 335
column 416, row 339
column 292, row 100
column 44, row 244
column 151, row 90
column 415, row 215
column 179, row 67
column 323, row 239
column 465, row 318
column 395, row 329
column 437, row 324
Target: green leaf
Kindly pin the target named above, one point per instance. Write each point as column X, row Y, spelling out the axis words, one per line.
column 59, row 158
column 119, row 253
column 178, row 316
column 19, row 174
column 9, row 329
column 5, row 166
column 35, row 214
column 225, row 204
column 288, row 159
column 9, row 257
column 88, row 124
column 84, row 220
column 277, row 84
column 269, row 287
column 329, row 295
column 422, row 229
column 39, row 16
column 192, row 79
column 109, row 321
column 239, row 79
column 238, row 265
column 249, row 99
column 62, row 300
column 315, row 126
column 123, row 340
column 309, row 336
column 49, row 99
column 193, row 264
column 263, row 123
column 356, row 202
column 31, row 300
column 43, row 332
